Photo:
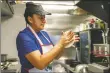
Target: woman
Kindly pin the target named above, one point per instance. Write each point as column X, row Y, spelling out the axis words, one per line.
column 35, row 49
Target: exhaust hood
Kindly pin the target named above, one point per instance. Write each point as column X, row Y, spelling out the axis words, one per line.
column 6, row 8
column 99, row 9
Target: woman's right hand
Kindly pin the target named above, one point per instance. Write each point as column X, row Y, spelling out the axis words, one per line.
column 66, row 38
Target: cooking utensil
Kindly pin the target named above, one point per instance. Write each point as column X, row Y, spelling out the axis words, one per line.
column 3, row 57
column 72, row 62
column 81, row 68
column 6, row 66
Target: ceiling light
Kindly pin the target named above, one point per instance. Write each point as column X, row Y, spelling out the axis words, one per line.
column 57, row 14
column 57, row 7
column 54, row 2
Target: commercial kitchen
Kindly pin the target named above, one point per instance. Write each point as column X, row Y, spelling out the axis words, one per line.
column 88, row 19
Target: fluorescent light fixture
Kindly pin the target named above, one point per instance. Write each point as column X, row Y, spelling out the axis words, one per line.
column 54, row 2
column 57, row 2
column 57, row 14
column 58, row 7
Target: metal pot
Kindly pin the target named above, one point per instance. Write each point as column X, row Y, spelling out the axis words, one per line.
column 81, row 68
column 72, row 62
column 3, row 57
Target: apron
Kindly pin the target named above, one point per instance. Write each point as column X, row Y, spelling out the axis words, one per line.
column 45, row 49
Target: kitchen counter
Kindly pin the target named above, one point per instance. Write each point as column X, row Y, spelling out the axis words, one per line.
column 66, row 66
column 9, row 71
column 14, row 68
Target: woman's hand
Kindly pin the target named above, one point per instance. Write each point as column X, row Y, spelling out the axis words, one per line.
column 66, row 38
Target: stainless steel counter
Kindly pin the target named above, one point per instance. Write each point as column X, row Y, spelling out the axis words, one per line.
column 14, row 68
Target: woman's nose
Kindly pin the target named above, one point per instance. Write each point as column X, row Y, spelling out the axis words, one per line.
column 44, row 20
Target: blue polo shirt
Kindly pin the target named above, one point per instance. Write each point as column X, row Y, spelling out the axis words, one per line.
column 26, row 43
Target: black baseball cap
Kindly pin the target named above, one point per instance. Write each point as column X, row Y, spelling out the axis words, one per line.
column 32, row 8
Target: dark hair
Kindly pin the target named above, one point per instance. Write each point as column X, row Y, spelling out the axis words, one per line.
column 28, row 11
column 26, row 14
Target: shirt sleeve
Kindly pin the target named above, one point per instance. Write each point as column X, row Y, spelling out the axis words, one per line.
column 26, row 44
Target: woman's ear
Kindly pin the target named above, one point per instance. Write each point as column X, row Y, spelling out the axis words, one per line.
column 29, row 19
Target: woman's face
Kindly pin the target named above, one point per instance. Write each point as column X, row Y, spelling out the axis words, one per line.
column 37, row 22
